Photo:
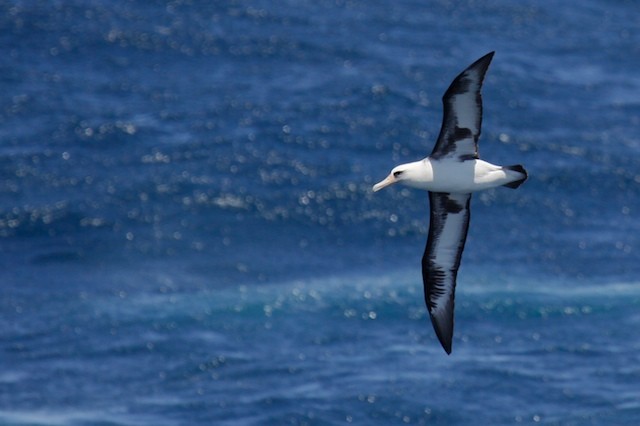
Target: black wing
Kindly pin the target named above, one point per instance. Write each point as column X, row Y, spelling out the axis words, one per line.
column 462, row 117
column 448, row 227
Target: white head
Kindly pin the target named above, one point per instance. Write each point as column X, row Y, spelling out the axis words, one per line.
column 411, row 174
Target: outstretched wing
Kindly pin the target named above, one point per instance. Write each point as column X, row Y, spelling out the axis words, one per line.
column 448, row 227
column 462, row 116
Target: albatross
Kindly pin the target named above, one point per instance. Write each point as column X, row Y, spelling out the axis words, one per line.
column 451, row 174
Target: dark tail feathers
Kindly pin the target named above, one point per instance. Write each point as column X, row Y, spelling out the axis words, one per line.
column 517, row 168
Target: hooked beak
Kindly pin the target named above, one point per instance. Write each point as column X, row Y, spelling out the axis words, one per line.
column 386, row 182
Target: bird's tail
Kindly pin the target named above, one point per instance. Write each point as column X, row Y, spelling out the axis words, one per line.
column 522, row 176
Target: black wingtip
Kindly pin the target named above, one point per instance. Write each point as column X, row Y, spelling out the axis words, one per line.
column 480, row 65
column 446, row 342
column 447, row 348
column 444, row 332
column 484, row 61
column 489, row 55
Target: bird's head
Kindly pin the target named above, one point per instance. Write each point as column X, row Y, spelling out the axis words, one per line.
column 398, row 174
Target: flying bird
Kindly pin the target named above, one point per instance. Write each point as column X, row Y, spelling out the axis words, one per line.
column 451, row 174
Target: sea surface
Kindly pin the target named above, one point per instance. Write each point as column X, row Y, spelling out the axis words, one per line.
column 188, row 234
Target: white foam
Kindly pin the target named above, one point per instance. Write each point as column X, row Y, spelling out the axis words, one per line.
column 65, row 417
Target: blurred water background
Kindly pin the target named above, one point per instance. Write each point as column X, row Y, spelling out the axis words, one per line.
column 188, row 235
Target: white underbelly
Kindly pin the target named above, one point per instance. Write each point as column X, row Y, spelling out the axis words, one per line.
column 465, row 176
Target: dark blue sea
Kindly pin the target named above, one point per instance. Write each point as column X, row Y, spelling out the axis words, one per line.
column 188, row 234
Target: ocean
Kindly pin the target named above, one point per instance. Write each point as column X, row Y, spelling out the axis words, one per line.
column 188, row 234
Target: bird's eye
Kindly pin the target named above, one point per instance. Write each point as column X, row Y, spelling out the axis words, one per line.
column 396, row 174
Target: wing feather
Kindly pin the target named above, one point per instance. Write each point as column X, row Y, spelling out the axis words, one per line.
column 448, row 227
column 462, row 116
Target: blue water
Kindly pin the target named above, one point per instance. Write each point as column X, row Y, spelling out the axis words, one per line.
column 188, row 235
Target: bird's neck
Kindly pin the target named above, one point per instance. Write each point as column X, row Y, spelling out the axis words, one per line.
column 419, row 174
